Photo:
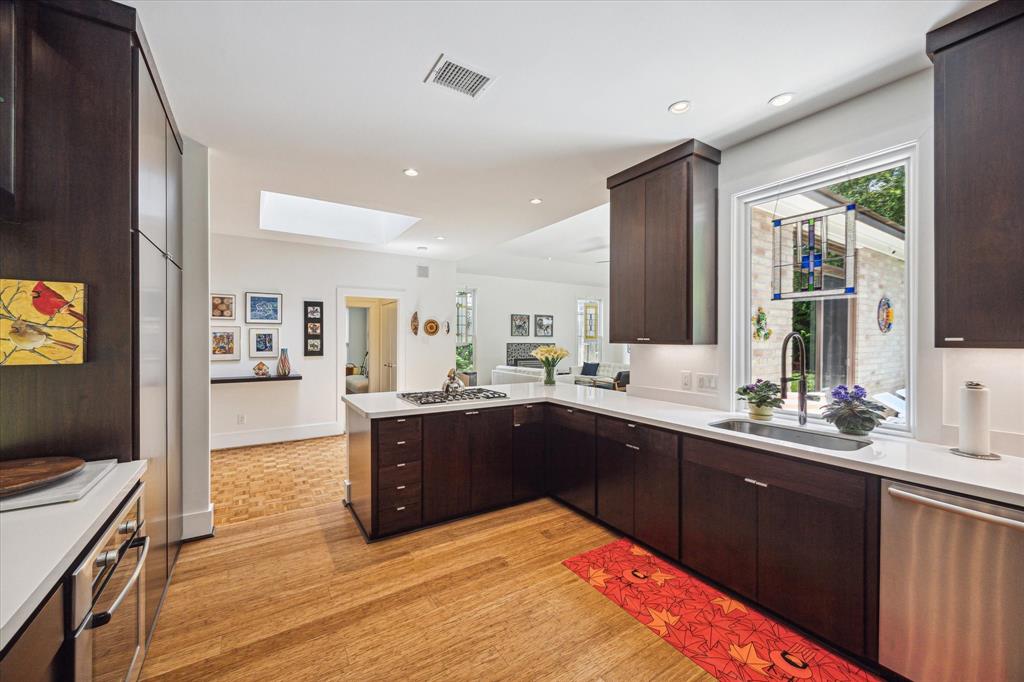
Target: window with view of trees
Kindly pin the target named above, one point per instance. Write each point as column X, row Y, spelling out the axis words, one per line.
column 465, row 330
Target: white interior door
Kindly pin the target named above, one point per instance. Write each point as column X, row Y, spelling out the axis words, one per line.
column 389, row 345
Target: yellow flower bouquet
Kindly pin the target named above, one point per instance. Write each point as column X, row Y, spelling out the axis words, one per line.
column 550, row 356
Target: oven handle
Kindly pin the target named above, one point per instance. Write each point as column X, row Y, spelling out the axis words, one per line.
column 102, row 618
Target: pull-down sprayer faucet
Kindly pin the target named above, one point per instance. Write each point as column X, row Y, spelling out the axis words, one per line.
column 802, row 401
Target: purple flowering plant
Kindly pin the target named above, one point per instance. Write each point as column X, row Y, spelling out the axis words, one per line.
column 761, row 393
column 852, row 412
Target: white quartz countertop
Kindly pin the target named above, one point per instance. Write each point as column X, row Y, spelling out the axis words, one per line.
column 894, row 457
column 39, row 544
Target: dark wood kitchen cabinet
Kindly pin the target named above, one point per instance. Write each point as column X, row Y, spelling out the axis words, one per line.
column 794, row 536
column 41, row 653
column 656, row 470
column 616, row 479
column 979, row 172
column 528, row 442
column 447, row 467
column 489, row 433
column 663, row 244
column 571, row 457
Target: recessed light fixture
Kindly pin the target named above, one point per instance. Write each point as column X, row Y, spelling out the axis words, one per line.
column 680, row 107
column 781, row 99
column 549, row 257
column 411, row 172
column 421, row 248
column 440, row 237
column 536, row 201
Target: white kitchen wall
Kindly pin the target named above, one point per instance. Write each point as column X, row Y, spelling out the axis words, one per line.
column 499, row 297
column 892, row 115
column 311, row 407
column 195, row 304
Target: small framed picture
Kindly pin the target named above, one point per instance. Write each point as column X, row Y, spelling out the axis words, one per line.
column 543, row 325
column 261, row 308
column 313, row 332
column 313, row 328
column 520, row 325
column 222, row 306
column 313, row 347
column 225, row 343
column 263, row 343
column 314, row 310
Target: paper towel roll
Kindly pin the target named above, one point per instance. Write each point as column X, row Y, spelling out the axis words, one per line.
column 974, row 436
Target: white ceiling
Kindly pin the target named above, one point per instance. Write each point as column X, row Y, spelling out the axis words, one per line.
column 327, row 100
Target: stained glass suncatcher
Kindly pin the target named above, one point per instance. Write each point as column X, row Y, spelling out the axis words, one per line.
column 814, row 254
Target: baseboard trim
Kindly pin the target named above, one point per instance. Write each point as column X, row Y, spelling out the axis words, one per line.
column 238, row 439
column 195, row 525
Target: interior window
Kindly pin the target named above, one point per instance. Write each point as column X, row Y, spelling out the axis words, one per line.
column 852, row 337
column 588, row 330
column 465, row 330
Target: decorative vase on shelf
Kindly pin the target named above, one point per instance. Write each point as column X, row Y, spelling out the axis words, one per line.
column 760, row 412
column 284, row 365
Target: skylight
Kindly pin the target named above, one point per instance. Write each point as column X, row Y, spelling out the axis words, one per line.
column 316, row 218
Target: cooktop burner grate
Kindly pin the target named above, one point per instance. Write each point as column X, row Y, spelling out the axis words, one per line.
column 437, row 397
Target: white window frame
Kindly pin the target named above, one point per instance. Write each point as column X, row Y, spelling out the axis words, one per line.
column 581, row 342
column 471, row 332
column 905, row 154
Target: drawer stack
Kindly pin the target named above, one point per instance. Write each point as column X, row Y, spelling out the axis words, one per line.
column 399, row 474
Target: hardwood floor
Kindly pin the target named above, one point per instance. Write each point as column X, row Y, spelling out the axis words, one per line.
column 300, row 596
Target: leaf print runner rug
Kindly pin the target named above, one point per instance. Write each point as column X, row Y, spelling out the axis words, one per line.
column 723, row 636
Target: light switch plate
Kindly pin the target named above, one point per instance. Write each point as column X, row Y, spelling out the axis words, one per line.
column 707, row 382
column 686, row 380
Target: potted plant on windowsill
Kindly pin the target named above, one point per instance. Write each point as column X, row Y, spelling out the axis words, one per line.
column 550, row 356
column 852, row 412
column 762, row 397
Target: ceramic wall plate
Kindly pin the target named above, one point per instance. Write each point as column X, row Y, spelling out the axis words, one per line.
column 431, row 327
column 414, row 324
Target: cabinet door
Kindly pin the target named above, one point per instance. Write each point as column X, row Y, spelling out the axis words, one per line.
column 9, row 127
column 571, row 457
column 615, row 478
column 719, row 519
column 656, row 471
column 490, row 451
column 447, row 469
column 152, row 151
column 811, row 548
column 173, row 180
column 626, row 270
column 979, row 172
column 36, row 655
column 152, row 397
column 174, row 432
column 528, row 443
column 666, row 274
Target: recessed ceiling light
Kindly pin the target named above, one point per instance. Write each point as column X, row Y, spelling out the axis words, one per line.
column 549, row 257
column 781, row 100
column 536, row 201
column 411, row 172
column 421, row 248
column 440, row 238
column 680, row 107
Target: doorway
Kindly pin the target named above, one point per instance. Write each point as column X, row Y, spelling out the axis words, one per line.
column 371, row 363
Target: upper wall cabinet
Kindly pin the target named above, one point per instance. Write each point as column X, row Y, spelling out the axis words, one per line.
column 663, row 248
column 979, row 176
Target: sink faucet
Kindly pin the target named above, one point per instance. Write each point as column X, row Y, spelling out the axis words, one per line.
column 802, row 402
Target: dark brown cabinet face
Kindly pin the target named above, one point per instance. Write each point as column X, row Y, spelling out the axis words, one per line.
column 656, row 470
column 447, row 467
column 571, row 457
column 666, row 256
column 979, row 173
column 528, row 442
column 615, row 476
column 490, row 447
column 626, row 294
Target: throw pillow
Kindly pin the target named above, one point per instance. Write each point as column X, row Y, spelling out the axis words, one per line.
column 589, row 369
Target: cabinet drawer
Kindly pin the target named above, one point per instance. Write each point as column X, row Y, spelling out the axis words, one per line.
column 398, row 494
column 403, row 473
column 529, row 414
column 392, row 452
column 400, row 428
column 619, row 431
column 571, row 418
column 399, row 517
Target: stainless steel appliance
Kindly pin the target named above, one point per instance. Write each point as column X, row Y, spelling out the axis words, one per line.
column 951, row 587
column 437, row 397
column 108, row 600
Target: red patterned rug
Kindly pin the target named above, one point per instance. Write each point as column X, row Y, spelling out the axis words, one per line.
column 723, row 636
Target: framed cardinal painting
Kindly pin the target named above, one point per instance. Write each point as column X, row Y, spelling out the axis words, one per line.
column 42, row 322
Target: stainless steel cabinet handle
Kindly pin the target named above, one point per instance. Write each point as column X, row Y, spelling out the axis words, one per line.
column 517, row 425
column 632, row 426
column 400, row 509
column 399, row 420
column 400, row 487
column 569, row 411
column 956, row 509
column 400, row 465
column 473, row 412
column 529, row 407
column 753, row 482
column 107, row 558
column 632, row 447
column 401, row 442
column 953, row 338
column 104, row 617
column 643, row 338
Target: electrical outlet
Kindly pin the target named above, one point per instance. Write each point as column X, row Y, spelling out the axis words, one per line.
column 686, row 380
column 240, row 418
column 707, row 382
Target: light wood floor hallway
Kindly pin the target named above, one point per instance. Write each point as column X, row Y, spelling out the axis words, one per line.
column 289, row 591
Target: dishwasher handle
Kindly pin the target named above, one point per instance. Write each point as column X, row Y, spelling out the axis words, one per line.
column 955, row 509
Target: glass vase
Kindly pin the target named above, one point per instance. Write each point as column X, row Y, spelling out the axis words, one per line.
column 549, row 375
column 284, row 365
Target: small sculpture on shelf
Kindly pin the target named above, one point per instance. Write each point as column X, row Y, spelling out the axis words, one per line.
column 261, row 369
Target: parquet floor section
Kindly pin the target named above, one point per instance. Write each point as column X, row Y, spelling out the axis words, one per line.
column 261, row 480
column 299, row 596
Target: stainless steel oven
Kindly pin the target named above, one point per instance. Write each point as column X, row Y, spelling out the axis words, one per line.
column 108, row 600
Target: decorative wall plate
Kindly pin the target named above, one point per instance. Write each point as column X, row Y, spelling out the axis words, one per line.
column 414, row 324
column 886, row 314
column 431, row 327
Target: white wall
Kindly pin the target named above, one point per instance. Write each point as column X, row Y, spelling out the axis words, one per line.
column 499, row 297
column 895, row 114
column 198, row 512
column 357, row 320
column 311, row 407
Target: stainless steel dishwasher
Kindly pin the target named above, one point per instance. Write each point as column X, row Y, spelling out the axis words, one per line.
column 951, row 588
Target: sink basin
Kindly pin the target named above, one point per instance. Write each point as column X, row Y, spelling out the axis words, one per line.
column 793, row 435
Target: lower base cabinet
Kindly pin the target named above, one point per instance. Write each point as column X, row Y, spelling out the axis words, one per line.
column 528, row 443
column 571, row 464
column 38, row 655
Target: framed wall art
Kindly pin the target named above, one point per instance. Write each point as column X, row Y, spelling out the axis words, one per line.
column 543, row 325
column 520, row 325
column 262, row 308
column 263, row 343
column 313, row 328
column 225, row 343
column 222, row 306
column 41, row 323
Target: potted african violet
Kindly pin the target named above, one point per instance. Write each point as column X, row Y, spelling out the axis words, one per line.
column 852, row 412
column 762, row 397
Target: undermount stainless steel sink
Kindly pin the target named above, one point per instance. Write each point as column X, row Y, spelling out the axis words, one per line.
column 798, row 436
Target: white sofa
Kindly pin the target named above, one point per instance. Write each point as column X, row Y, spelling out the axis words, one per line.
column 605, row 371
column 510, row 374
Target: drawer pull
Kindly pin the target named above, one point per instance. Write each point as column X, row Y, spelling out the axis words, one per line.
column 529, row 407
column 400, row 487
column 643, row 338
column 399, row 466
column 401, row 442
column 632, row 447
column 568, row 410
column 473, row 412
column 400, row 421
column 400, row 509
column 632, row 426
column 753, row 482
column 517, row 425
column 954, row 338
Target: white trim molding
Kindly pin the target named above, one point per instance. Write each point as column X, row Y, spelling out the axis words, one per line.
column 237, row 439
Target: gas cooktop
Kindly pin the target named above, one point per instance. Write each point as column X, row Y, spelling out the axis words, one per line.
column 439, row 398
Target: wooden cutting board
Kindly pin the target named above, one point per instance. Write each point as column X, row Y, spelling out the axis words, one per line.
column 19, row 475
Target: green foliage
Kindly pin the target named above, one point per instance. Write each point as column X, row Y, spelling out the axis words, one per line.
column 883, row 192
column 761, row 393
column 464, row 357
column 854, row 417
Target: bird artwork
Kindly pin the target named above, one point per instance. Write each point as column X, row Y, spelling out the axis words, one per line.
column 42, row 322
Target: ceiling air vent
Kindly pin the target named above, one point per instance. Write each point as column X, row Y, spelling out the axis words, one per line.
column 457, row 77
column 423, row 271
